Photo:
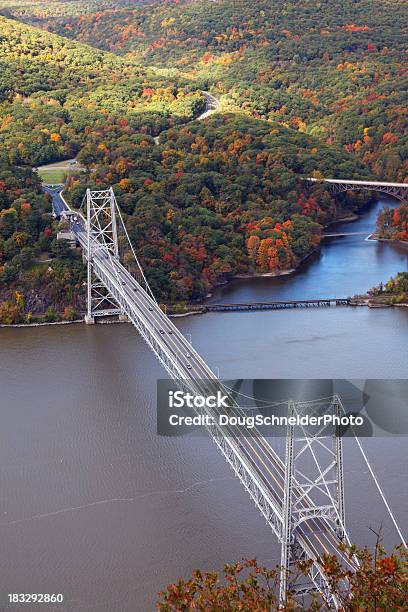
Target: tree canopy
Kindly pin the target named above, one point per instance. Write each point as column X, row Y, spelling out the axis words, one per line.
column 305, row 90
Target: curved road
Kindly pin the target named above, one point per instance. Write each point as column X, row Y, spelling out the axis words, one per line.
column 211, row 105
column 58, row 204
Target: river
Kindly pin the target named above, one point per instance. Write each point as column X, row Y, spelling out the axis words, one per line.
column 344, row 266
column 95, row 505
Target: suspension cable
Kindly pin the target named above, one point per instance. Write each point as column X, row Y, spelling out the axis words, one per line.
column 380, row 490
column 377, row 485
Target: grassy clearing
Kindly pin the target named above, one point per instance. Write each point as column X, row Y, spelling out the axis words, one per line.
column 52, row 175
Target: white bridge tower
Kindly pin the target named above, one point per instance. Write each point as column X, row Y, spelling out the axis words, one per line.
column 107, row 238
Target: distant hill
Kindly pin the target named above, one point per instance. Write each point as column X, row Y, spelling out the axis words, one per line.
column 55, row 96
column 52, row 89
column 301, row 94
column 335, row 72
column 36, row 12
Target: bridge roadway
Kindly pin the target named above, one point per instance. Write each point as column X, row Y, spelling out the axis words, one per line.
column 58, row 204
column 256, row 456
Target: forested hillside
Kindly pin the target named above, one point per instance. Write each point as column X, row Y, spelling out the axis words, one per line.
column 392, row 224
column 55, row 95
column 216, row 198
column 303, row 93
column 40, row 11
column 38, row 274
column 53, row 92
column 334, row 71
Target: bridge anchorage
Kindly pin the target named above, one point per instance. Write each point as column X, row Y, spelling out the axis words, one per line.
column 303, row 506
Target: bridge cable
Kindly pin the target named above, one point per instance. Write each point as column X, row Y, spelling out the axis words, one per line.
column 270, row 405
column 380, row 491
column 378, row 486
column 375, row 480
column 133, row 251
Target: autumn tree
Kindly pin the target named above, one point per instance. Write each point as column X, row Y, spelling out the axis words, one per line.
column 379, row 583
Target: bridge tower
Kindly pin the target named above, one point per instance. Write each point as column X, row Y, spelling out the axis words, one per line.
column 107, row 241
column 313, row 495
column 102, row 238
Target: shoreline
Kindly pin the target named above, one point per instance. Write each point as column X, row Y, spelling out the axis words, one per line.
column 366, row 302
column 249, row 275
column 44, row 324
column 402, row 243
column 201, row 308
column 276, row 274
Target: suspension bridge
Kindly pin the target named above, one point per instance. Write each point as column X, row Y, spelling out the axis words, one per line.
column 303, row 508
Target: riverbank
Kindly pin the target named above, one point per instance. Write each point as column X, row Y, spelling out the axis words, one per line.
column 347, row 219
column 377, row 302
column 356, row 301
column 402, row 243
column 100, row 321
column 277, row 273
column 45, row 324
column 290, row 284
column 250, row 275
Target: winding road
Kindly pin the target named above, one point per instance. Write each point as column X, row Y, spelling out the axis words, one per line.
column 211, row 106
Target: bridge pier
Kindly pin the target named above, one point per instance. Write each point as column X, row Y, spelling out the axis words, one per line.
column 89, row 320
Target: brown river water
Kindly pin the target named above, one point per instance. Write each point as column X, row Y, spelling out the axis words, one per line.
column 94, row 505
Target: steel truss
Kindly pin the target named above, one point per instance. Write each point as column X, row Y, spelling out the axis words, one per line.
column 322, row 487
column 101, row 236
column 103, row 223
column 397, row 192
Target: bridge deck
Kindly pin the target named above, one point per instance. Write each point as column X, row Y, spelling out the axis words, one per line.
column 396, row 190
column 254, row 461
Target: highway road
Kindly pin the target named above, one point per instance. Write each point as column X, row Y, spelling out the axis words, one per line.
column 257, row 454
column 58, row 204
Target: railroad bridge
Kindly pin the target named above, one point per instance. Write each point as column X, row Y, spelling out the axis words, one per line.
column 279, row 305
